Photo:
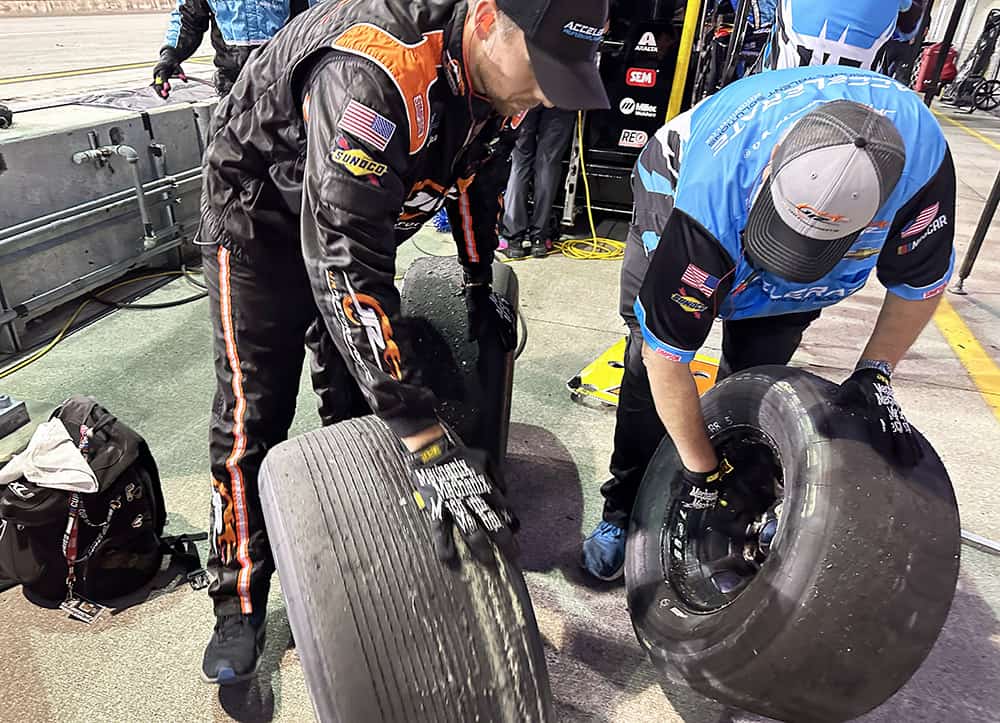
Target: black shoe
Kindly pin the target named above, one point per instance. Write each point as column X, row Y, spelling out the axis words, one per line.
column 539, row 248
column 233, row 653
column 515, row 248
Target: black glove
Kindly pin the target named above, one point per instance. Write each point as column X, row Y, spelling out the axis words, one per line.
column 870, row 389
column 168, row 67
column 490, row 313
column 453, row 484
column 701, row 489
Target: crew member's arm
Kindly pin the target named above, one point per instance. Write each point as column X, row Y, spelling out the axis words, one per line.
column 188, row 23
column 915, row 265
column 475, row 209
column 677, row 404
column 473, row 214
column 688, row 277
column 357, row 150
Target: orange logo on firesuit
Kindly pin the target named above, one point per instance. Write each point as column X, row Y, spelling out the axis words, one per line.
column 365, row 311
column 223, row 523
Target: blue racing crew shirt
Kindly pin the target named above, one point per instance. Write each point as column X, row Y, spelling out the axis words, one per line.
column 696, row 180
column 817, row 32
column 240, row 22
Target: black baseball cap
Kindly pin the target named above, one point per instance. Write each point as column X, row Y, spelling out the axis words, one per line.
column 562, row 38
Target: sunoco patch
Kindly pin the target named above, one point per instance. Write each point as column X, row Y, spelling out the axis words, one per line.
column 356, row 160
column 689, row 303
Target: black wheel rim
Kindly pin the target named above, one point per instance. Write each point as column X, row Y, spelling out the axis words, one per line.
column 710, row 557
column 987, row 95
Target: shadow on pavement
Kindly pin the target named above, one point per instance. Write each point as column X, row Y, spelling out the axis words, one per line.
column 958, row 681
column 543, row 487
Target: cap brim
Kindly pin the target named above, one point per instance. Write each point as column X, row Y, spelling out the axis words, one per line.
column 777, row 249
column 570, row 86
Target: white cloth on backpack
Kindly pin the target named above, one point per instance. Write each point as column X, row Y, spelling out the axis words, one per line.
column 51, row 459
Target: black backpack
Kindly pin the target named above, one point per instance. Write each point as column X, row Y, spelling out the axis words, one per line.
column 118, row 529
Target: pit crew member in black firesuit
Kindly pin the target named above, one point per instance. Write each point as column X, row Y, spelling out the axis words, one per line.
column 770, row 200
column 353, row 126
column 237, row 29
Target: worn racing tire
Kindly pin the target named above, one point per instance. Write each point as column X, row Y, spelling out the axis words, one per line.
column 473, row 381
column 841, row 604
column 384, row 631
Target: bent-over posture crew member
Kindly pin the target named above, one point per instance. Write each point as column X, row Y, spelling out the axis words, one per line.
column 353, row 126
column 770, row 200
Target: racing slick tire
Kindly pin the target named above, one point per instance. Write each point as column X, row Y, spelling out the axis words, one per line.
column 472, row 380
column 384, row 631
column 820, row 586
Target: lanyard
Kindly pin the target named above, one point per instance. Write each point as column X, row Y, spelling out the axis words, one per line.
column 70, row 537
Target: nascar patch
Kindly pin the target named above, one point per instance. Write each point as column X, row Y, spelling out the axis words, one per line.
column 921, row 222
column 367, row 125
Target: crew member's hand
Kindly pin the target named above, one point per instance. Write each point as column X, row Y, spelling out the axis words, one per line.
column 490, row 313
column 453, row 484
column 701, row 489
column 871, row 390
column 167, row 68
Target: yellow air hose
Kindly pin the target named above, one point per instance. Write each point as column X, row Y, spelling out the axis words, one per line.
column 595, row 248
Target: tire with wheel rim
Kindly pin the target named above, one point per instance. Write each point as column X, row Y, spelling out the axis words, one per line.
column 986, row 96
column 820, row 583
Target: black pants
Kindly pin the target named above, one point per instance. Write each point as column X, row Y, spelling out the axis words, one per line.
column 638, row 431
column 261, row 319
column 542, row 141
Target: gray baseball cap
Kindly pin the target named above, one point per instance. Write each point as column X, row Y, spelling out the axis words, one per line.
column 830, row 175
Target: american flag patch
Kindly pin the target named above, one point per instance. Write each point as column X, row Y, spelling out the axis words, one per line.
column 921, row 222
column 700, row 279
column 366, row 125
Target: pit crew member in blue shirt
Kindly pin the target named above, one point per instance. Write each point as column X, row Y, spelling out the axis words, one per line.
column 236, row 30
column 810, row 32
column 772, row 199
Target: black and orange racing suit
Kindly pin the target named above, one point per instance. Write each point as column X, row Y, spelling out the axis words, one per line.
column 340, row 138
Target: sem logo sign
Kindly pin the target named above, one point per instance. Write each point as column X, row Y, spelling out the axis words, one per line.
column 647, row 43
column 633, row 139
column 641, row 77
